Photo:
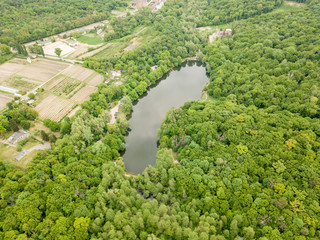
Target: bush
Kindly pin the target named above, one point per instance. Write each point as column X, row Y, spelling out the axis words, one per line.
column 44, row 136
column 25, row 124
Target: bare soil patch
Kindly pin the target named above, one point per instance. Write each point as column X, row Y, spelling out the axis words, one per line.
column 54, row 107
column 83, row 94
column 78, row 72
column 96, row 80
column 50, row 48
column 4, row 100
column 295, row 4
column 8, row 69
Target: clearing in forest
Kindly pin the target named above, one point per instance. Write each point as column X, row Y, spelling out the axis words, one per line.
column 295, row 4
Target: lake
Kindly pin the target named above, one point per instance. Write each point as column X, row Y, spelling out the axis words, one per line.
column 175, row 88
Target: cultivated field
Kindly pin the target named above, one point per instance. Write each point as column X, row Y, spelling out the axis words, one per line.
column 65, row 85
column 83, row 94
column 70, row 87
column 4, row 100
column 54, row 107
column 89, row 54
column 24, row 76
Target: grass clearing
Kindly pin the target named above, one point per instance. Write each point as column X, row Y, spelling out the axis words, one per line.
column 111, row 50
column 90, row 39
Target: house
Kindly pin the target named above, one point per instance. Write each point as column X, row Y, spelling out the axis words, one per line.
column 115, row 74
column 17, row 95
column 106, row 81
column 155, row 67
column 228, row 32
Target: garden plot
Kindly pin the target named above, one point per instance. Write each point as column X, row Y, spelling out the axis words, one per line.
column 62, row 85
column 96, row 80
column 78, row 72
column 83, row 94
column 54, row 107
column 20, row 83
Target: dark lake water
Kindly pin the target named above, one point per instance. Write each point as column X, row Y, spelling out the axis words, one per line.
column 177, row 87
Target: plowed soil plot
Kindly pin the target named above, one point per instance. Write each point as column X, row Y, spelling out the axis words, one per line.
column 3, row 101
column 83, row 94
column 78, row 72
column 42, row 70
column 54, row 107
column 8, row 69
column 96, row 80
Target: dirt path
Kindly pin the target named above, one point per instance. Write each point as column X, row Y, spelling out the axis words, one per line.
column 113, row 112
column 25, row 152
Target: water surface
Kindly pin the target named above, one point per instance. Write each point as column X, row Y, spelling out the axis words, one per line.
column 177, row 87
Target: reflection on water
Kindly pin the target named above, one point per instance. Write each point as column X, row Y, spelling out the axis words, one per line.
column 177, row 87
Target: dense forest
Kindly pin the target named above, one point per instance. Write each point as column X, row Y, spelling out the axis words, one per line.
column 24, row 21
column 247, row 158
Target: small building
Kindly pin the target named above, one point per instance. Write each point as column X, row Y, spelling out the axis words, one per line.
column 228, row 32
column 106, row 81
column 155, row 67
column 17, row 95
column 30, row 102
column 17, row 136
column 28, row 60
column 115, row 74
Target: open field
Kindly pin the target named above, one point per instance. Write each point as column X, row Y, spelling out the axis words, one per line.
column 111, row 49
column 64, row 85
column 83, row 94
column 4, row 100
column 78, row 72
column 78, row 50
column 70, row 87
column 8, row 69
column 50, row 48
column 96, row 80
column 295, row 4
column 91, row 39
column 54, row 107
column 23, row 76
column 89, row 54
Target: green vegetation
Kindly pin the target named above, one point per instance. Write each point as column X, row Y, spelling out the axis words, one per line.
column 248, row 156
column 32, row 20
column 91, row 40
